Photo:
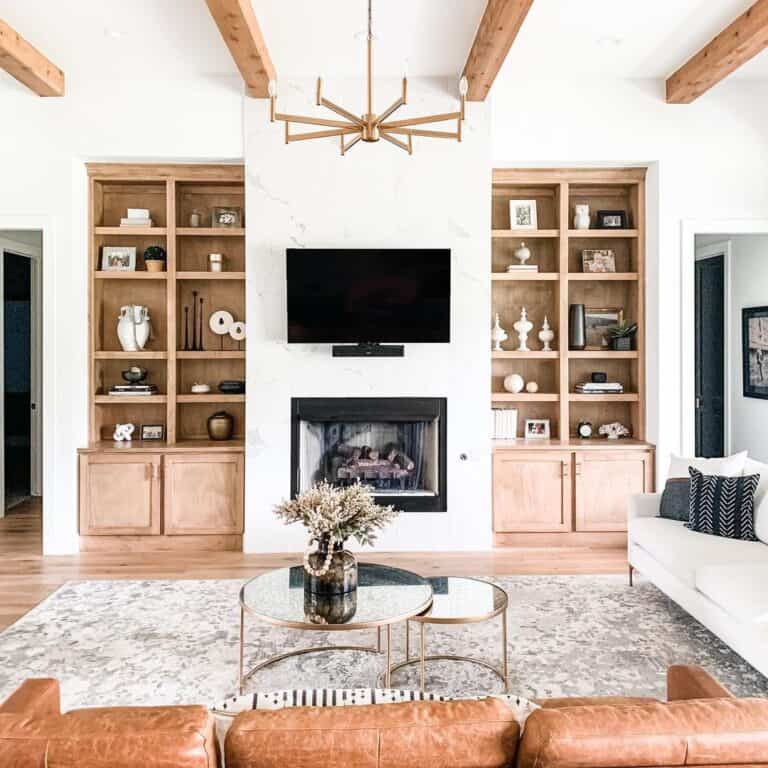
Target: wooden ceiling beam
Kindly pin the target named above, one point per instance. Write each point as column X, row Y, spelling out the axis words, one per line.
column 497, row 31
column 241, row 32
column 734, row 46
column 24, row 62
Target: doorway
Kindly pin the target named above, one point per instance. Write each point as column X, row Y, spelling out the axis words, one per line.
column 710, row 342
column 20, row 371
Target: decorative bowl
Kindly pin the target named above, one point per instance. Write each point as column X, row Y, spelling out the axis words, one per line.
column 134, row 374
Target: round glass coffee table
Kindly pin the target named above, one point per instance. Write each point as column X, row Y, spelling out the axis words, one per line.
column 384, row 596
column 460, row 600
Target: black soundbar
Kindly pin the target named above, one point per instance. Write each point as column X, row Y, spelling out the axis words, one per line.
column 369, row 350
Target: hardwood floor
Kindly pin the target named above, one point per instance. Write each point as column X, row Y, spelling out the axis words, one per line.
column 26, row 577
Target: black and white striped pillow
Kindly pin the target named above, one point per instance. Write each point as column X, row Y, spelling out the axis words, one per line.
column 723, row 506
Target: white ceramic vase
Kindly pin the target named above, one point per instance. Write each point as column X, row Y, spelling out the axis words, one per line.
column 523, row 327
column 546, row 334
column 581, row 218
column 498, row 334
column 133, row 327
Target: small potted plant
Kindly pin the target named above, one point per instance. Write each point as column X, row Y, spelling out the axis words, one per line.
column 621, row 336
column 332, row 515
column 154, row 258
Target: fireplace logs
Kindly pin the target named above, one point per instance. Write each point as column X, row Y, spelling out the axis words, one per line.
column 372, row 467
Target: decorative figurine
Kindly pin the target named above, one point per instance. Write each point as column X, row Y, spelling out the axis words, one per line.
column 532, row 387
column 522, row 253
column 514, row 383
column 200, row 389
column 123, row 432
column 581, row 217
column 498, row 334
column 546, row 334
column 523, row 327
column 614, row 430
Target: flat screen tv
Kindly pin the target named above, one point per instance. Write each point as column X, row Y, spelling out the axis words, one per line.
column 376, row 296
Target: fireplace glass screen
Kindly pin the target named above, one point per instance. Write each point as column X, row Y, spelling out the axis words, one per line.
column 394, row 458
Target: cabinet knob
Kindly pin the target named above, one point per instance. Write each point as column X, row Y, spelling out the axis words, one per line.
column 564, row 466
column 578, row 467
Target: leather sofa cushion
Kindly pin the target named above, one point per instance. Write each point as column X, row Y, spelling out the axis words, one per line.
column 118, row 737
column 591, row 701
column 460, row 734
column 695, row 732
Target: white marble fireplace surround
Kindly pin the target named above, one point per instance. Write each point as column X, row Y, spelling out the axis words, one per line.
column 306, row 195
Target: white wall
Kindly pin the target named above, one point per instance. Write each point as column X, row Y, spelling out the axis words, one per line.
column 708, row 160
column 748, row 288
column 305, row 194
column 43, row 145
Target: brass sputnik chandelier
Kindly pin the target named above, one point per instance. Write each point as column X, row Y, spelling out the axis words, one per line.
column 369, row 127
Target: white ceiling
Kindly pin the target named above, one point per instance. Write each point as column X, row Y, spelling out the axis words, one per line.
column 600, row 38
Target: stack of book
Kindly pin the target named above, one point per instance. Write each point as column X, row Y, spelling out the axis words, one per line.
column 137, row 217
column 602, row 388
column 504, row 423
column 133, row 389
column 523, row 268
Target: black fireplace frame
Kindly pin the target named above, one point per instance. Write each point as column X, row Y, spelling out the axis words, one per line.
column 377, row 409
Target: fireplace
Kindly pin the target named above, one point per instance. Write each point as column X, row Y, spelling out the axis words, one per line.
column 394, row 445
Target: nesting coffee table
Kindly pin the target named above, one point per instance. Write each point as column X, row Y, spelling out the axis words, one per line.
column 384, row 596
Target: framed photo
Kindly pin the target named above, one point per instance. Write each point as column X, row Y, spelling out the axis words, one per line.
column 611, row 220
column 226, row 217
column 597, row 321
column 153, row 431
column 536, row 429
column 522, row 214
column 754, row 351
column 598, row 261
column 118, row 258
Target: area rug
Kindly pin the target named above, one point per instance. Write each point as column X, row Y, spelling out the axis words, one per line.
column 167, row 642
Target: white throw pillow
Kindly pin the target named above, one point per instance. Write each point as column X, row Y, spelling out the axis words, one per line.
column 752, row 467
column 728, row 466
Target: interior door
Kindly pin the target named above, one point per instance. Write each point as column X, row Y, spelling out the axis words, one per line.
column 710, row 356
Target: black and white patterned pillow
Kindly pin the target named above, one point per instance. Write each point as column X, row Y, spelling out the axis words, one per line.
column 723, row 506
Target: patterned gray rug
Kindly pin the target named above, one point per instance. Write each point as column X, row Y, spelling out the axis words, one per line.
column 163, row 642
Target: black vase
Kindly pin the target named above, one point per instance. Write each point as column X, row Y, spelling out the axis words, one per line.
column 341, row 576
column 577, row 329
column 329, row 609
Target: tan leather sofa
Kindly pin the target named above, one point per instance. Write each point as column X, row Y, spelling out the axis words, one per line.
column 702, row 725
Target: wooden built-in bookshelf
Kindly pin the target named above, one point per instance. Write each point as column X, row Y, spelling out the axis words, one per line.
column 557, row 250
column 171, row 193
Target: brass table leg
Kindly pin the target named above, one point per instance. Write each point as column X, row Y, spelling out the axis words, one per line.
column 421, row 655
column 242, row 643
column 388, row 674
column 504, row 661
column 378, row 639
column 407, row 640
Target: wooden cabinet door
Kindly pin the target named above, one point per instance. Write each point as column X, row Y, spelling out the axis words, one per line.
column 604, row 482
column 204, row 493
column 120, row 494
column 531, row 491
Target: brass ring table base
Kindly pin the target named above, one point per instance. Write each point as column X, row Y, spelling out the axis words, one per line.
column 449, row 657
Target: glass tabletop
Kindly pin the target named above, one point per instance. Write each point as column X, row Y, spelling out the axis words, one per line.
column 384, row 596
column 460, row 599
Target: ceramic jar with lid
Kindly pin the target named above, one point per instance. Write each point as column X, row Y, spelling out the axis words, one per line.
column 220, row 426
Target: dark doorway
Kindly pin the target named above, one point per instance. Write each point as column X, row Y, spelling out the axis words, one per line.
column 17, row 280
column 710, row 356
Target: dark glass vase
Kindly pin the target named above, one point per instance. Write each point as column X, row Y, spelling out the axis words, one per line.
column 330, row 609
column 577, row 331
column 341, row 576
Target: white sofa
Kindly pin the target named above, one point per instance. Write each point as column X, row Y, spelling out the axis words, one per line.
column 721, row 582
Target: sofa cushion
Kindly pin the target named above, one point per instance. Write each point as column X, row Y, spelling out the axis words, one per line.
column 675, row 499
column 118, row 737
column 682, row 551
column 460, row 734
column 696, row 732
column 752, row 467
column 740, row 590
column 727, row 466
column 723, row 506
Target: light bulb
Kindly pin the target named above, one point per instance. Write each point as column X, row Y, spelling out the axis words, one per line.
column 463, row 86
column 272, row 88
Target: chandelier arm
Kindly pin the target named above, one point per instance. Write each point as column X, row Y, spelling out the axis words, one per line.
column 290, row 137
column 302, row 120
column 426, row 134
column 422, row 120
column 370, row 58
column 390, row 110
column 346, row 147
column 340, row 111
column 392, row 140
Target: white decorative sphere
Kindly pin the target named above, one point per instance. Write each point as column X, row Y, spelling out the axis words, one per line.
column 532, row 387
column 514, row 383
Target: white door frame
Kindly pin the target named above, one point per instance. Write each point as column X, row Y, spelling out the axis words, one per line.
column 34, row 253
column 690, row 229
column 722, row 248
